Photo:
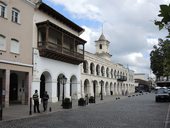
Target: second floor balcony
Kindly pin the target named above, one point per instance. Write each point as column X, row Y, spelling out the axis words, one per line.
column 56, row 43
column 121, row 78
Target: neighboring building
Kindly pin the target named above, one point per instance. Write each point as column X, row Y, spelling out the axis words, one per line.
column 141, row 76
column 16, row 50
column 99, row 74
column 56, row 54
column 144, row 82
column 163, row 81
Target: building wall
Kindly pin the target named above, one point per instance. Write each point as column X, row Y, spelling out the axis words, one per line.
column 110, row 81
column 54, row 68
column 17, row 63
column 40, row 17
column 21, row 31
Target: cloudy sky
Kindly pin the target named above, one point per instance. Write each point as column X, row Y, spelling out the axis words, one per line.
column 127, row 24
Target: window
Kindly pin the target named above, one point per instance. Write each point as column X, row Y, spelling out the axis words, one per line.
column 2, row 42
column 14, row 46
column 2, row 9
column 100, row 46
column 15, row 15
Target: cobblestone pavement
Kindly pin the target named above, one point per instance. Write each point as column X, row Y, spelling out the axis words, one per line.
column 133, row 112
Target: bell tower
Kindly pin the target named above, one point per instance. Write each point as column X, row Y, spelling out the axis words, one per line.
column 102, row 48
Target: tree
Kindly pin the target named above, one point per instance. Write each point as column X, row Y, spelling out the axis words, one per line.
column 165, row 21
column 160, row 55
column 156, row 59
column 160, row 58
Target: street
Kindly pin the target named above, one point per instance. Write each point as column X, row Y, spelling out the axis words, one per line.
column 130, row 112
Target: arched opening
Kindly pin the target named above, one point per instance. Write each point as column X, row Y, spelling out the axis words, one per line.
column 86, row 86
column 92, row 68
column 73, row 87
column 60, row 87
column 85, row 66
column 95, row 88
column 97, row 70
column 13, row 92
column 42, row 85
column 107, row 72
column 111, row 73
column 102, row 70
column 45, row 82
column 111, row 89
column 100, row 46
column 115, row 74
column 107, row 89
column 115, row 91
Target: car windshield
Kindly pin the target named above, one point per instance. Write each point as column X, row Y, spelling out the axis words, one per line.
column 162, row 90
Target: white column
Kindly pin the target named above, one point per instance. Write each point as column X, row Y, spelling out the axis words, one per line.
column 104, row 89
column 52, row 91
column 67, row 90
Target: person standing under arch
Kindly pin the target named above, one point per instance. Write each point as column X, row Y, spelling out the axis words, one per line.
column 36, row 101
column 45, row 100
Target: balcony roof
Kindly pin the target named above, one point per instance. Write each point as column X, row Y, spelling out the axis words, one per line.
column 48, row 23
column 50, row 11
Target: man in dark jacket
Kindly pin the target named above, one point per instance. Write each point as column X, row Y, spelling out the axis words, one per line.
column 45, row 100
column 36, row 101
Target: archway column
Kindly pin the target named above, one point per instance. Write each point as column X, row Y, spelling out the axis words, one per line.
column 67, row 90
column 104, row 90
column 51, row 90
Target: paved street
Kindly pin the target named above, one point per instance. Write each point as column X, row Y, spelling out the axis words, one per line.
column 134, row 112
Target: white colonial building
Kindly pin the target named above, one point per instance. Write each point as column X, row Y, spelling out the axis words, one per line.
column 56, row 54
column 99, row 72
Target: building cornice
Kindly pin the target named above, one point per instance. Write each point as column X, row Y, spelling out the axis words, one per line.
column 15, row 63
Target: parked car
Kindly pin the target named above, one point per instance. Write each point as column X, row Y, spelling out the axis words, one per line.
column 162, row 94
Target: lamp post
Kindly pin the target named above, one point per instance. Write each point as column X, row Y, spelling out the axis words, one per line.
column 94, row 89
column 63, row 80
column 101, row 98
column 0, row 102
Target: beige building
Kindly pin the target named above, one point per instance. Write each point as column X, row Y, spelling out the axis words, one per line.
column 16, row 21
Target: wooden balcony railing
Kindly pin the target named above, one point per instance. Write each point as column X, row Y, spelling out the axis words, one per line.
column 57, row 52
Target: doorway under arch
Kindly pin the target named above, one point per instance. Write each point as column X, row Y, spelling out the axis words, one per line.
column 73, row 87
column 45, row 81
column 86, row 86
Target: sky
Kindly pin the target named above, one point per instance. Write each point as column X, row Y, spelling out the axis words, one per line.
column 127, row 24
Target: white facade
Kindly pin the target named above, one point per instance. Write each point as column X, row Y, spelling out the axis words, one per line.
column 97, row 68
column 47, row 72
column 52, row 69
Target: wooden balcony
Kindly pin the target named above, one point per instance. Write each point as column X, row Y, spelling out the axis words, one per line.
column 57, row 52
column 56, row 43
column 121, row 78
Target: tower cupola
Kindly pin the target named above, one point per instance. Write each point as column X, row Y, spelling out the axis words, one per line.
column 102, row 47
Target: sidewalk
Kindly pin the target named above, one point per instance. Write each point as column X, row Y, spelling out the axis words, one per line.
column 22, row 111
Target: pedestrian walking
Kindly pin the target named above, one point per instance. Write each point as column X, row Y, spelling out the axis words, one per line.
column 45, row 100
column 36, row 101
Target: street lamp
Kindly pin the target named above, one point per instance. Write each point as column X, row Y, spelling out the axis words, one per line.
column 63, row 80
column 1, row 103
column 102, row 82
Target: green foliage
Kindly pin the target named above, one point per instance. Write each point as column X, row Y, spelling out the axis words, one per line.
column 160, row 58
column 165, row 15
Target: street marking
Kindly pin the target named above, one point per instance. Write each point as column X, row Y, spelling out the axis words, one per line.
column 167, row 121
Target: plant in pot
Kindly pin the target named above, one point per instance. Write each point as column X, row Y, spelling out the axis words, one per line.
column 67, row 103
column 81, row 102
column 91, row 99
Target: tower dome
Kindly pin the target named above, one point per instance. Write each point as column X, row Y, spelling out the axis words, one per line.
column 102, row 47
